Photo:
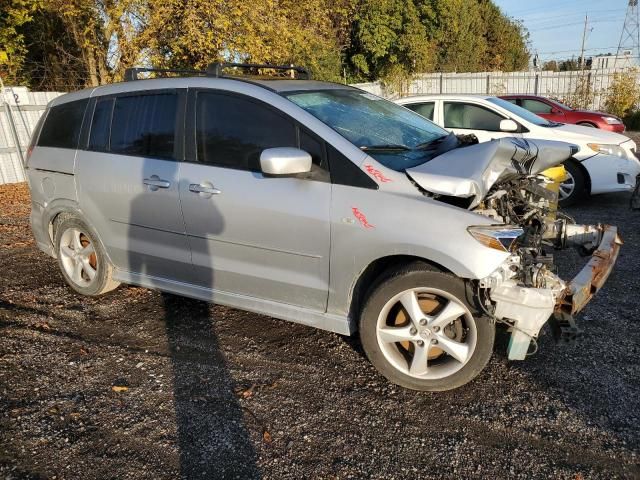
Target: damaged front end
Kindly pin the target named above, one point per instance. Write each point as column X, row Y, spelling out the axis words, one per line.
column 508, row 185
column 525, row 292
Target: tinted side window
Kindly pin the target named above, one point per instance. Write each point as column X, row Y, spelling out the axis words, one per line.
column 424, row 109
column 101, row 125
column 232, row 131
column 536, row 106
column 61, row 128
column 469, row 116
column 144, row 125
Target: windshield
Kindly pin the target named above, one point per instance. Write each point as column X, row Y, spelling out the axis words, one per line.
column 522, row 113
column 393, row 135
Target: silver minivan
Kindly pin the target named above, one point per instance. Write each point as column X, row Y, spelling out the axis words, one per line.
column 316, row 203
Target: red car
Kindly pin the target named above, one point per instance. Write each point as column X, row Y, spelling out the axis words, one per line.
column 557, row 112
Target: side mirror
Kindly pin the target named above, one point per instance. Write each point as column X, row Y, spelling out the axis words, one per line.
column 284, row 161
column 508, row 125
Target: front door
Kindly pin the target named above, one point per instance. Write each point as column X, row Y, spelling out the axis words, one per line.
column 128, row 183
column 253, row 235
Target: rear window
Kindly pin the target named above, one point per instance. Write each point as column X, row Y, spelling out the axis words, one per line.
column 61, row 128
column 144, row 125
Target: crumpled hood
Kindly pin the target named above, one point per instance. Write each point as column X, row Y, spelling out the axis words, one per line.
column 472, row 171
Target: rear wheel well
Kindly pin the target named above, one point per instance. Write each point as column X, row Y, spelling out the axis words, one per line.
column 55, row 220
column 375, row 270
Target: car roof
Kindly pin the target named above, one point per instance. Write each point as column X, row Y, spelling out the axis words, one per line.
column 522, row 95
column 273, row 84
column 445, row 96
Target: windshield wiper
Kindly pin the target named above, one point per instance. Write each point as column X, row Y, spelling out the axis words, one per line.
column 380, row 148
column 432, row 143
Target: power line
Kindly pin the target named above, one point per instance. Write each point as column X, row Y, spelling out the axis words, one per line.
column 564, row 25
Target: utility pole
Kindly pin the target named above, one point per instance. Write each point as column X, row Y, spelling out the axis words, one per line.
column 584, row 38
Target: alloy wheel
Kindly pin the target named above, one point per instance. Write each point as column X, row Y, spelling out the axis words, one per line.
column 78, row 257
column 567, row 187
column 426, row 333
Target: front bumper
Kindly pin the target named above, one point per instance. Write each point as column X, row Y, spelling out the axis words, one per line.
column 529, row 308
column 594, row 274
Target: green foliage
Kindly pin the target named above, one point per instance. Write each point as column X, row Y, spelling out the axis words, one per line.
column 50, row 44
column 582, row 95
column 632, row 121
column 394, row 39
column 13, row 15
column 623, row 95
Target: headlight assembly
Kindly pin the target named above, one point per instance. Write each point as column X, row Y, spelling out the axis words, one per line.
column 498, row 237
column 607, row 149
column 612, row 120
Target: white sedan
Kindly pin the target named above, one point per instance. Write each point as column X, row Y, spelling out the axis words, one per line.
column 605, row 161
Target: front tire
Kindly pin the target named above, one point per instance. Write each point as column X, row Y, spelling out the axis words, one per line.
column 419, row 330
column 82, row 260
column 574, row 188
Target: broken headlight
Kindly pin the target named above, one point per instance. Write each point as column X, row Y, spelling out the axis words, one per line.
column 499, row 237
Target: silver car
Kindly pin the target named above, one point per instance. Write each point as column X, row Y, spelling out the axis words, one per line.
column 316, row 203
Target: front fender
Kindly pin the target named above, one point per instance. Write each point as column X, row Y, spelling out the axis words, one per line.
column 380, row 224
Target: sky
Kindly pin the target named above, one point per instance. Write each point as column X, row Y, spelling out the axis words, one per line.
column 556, row 26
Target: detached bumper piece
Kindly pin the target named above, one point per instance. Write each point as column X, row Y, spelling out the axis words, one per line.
column 594, row 274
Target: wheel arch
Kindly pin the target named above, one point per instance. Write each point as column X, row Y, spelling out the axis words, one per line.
column 377, row 268
column 587, row 122
column 57, row 212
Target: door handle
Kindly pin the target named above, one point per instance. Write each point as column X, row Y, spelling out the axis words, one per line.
column 196, row 188
column 155, row 182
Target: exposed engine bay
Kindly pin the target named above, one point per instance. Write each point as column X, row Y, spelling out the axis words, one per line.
column 516, row 185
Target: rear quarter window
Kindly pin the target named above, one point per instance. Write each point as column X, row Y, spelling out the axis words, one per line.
column 61, row 128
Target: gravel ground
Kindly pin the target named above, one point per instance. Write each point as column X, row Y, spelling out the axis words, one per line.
column 137, row 384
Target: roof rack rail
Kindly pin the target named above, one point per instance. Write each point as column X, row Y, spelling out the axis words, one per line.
column 131, row 74
column 215, row 69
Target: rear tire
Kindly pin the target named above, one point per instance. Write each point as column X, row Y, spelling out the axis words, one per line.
column 419, row 330
column 82, row 260
column 575, row 188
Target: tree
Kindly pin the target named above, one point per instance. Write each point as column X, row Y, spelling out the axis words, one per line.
column 193, row 33
column 623, row 95
column 13, row 15
column 400, row 38
column 389, row 40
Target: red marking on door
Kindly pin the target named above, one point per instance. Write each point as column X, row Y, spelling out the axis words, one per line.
column 361, row 217
column 377, row 174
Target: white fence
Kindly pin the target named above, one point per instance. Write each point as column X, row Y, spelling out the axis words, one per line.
column 20, row 110
column 591, row 85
